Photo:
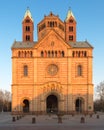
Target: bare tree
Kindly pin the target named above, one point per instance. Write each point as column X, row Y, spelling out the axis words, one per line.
column 100, row 93
column 1, row 100
column 5, row 100
column 100, row 90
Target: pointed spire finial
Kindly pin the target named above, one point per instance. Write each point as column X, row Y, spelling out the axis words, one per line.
column 28, row 13
column 69, row 7
column 27, row 7
column 69, row 14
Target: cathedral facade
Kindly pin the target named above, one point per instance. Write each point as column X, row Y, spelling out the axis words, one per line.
column 54, row 73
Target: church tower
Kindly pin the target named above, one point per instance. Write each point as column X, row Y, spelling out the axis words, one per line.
column 70, row 27
column 27, row 27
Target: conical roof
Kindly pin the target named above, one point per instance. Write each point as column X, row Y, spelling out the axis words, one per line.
column 69, row 14
column 28, row 13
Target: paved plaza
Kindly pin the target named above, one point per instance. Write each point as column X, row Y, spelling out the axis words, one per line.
column 46, row 122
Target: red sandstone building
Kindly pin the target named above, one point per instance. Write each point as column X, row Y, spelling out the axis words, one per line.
column 54, row 73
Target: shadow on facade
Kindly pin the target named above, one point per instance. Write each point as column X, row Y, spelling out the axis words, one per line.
column 54, row 103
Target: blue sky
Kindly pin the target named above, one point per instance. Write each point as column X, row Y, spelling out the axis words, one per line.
column 90, row 26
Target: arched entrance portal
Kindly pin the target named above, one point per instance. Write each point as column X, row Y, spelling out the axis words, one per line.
column 79, row 105
column 52, row 104
column 25, row 105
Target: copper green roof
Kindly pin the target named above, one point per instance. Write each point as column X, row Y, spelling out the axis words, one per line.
column 69, row 14
column 28, row 13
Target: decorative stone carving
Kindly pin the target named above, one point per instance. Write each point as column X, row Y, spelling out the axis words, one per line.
column 52, row 87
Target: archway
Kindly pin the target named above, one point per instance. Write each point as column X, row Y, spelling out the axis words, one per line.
column 25, row 105
column 52, row 104
column 79, row 105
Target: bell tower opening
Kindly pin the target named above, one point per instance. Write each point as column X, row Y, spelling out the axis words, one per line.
column 52, row 104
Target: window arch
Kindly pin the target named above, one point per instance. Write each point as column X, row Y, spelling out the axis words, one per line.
column 55, row 53
column 62, row 53
column 27, row 21
column 48, row 53
column 71, row 37
column 73, row 54
column 42, row 54
column 70, row 28
column 52, row 53
column 85, row 53
column 25, row 70
column 19, row 54
column 27, row 37
column 25, row 54
column 31, row 54
column 79, row 70
column 27, row 28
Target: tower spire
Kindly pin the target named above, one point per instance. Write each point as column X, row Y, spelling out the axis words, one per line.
column 27, row 26
column 70, row 27
column 69, row 14
column 28, row 13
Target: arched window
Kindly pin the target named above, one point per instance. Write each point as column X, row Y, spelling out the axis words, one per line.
column 19, row 54
column 27, row 28
column 71, row 37
column 70, row 28
column 48, row 24
column 55, row 53
column 22, row 54
column 25, row 54
column 27, row 21
column 79, row 70
column 71, row 21
column 42, row 54
column 25, row 70
column 51, row 24
column 62, row 54
column 27, row 38
column 73, row 54
column 52, row 53
column 31, row 54
column 79, row 54
column 28, row 54
column 48, row 53
column 85, row 53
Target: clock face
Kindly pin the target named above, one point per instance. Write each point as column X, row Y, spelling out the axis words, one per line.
column 52, row 69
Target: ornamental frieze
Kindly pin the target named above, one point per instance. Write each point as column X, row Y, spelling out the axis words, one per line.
column 51, row 87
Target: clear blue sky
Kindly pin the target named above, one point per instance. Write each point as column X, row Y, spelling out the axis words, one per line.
column 90, row 25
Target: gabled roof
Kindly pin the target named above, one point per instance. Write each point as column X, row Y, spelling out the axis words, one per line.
column 28, row 13
column 69, row 14
column 25, row 45
column 48, row 34
column 17, row 45
column 83, row 44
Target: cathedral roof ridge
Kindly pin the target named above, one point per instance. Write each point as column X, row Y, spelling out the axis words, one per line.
column 80, row 44
column 20, row 44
